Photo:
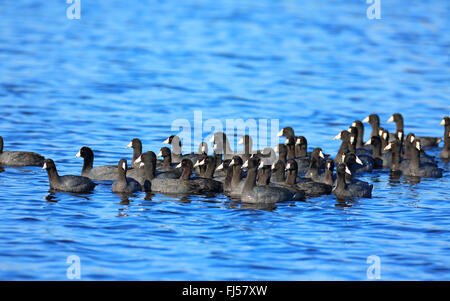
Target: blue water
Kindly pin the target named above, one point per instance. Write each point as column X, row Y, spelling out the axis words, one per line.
column 129, row 68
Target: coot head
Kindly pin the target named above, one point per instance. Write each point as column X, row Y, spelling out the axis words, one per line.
column 250, row 163
column 286, row 132
column 329, row 164
column 343, row 169
column 164, row 152
column 373, row 119
column 224, row 165
column 343, row 135
column 122, row 165
column 135, row 144
column 85, row 152
column 49, row 164
column 291, row 165
column 444, row 122
column 173, row 140
column 396, row 117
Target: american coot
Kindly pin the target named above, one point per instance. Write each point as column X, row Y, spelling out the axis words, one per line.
column 136, row 145
column 360, row 135
column 308, row 186
column 278, row 172
column 394, row 147
column 445, row 154
column 302, row 162
column 328, row 177
column 354, row 143
column 247, row 141
column 264, row 194
column 374, row 121
column 210, row 163
column 225, row 165
column 281, row 149
column 410, row 148
column 185, row 184
column 414, row 167
column 17, row 158
column 301, row 147
column 68, row 183
column 425, row 141
column 221, row 146
column 149, row 159
column 99, row 173
column 177, row 155
column 344, row 191
column 167, row 165
column 124, row 184
column 353, row 163
column 264, row 173
column 384, row 138
column 313, row 171
column 237, row 181
column 344, row 136
column 380, row 160
column 286, row 132
column 363, row 155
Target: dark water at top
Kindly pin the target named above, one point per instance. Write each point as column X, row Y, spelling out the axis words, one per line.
column 129, row 68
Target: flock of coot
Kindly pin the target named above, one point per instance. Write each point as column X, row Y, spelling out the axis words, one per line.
column 287, row 172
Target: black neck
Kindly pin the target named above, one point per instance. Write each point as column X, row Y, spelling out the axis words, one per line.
column 301, row 150
column 376, row 150
column 340, row 182
column 290, row 151
column 250, row 181
column 228, row 177
column 291, row 178
column 167, row 162
column 264, row 176
column 187, row 171
column 237, row 175
column 88, row 163
column 137, row 151
column 360, row 137
column 53, row 175
column 328, row 177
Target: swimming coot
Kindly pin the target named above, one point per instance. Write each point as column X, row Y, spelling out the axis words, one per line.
column 425, row 141
column 380, row 160
column 136, row 145
column 286, row 132
column 264, row 194
column 18, row 158
column 186, row 184
column 68, row 183
column 124, row 184
column 308, row 186
column 221, row 147
column 414, row 167
column 344, row 191
column 177, row 155
column 99, row 173
column 374, row 121
column 313, row 170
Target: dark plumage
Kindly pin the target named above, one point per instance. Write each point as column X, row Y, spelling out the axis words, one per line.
column 99, row 173
column 68, row 183
column 18, row 158
column 264, row 194
column 425, row 141
column 344, row 191
column 124, row 184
